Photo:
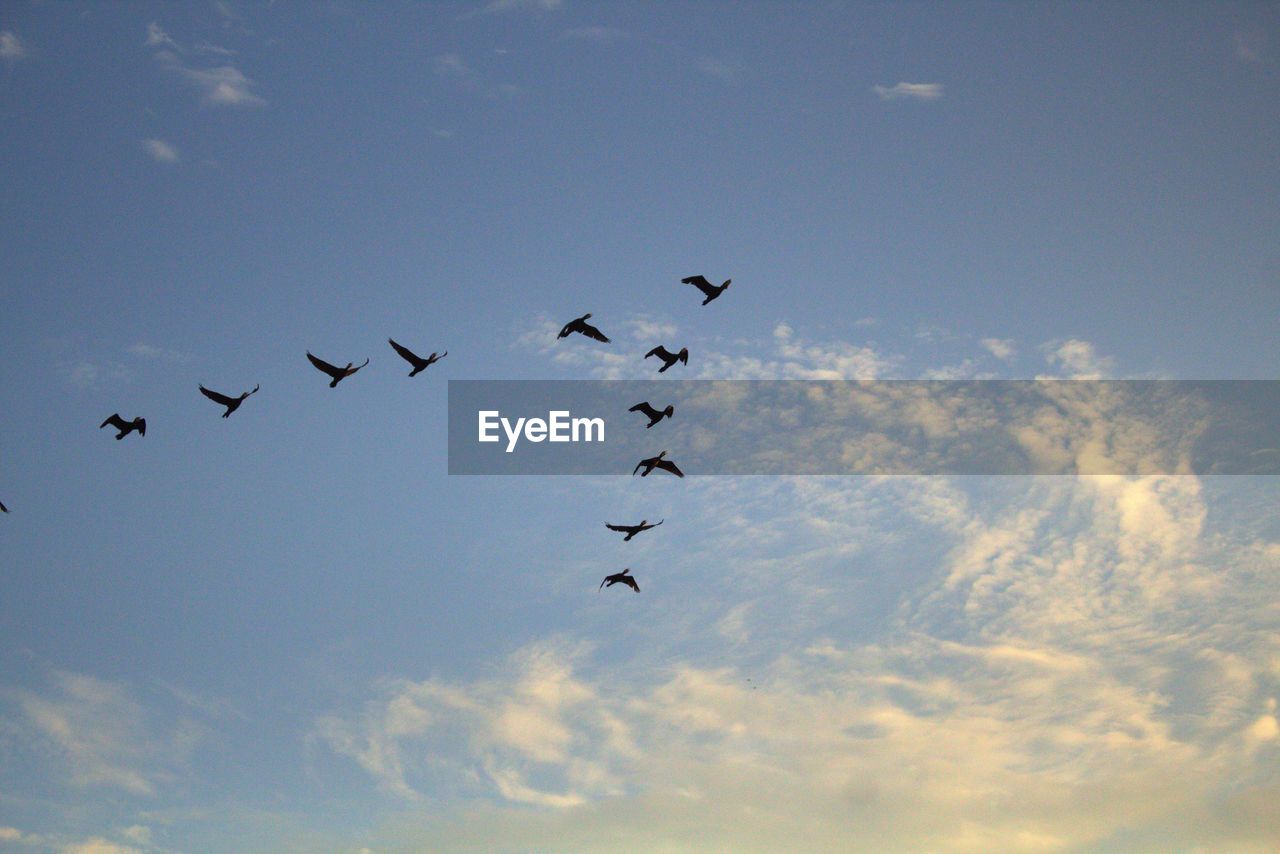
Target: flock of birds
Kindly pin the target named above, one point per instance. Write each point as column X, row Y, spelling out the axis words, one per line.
column 419, row 364
column 668, row 359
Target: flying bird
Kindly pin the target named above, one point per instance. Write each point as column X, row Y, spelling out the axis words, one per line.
column 632, row 530
column 581, row 326
column 231, row 403
column 338, row 374
column 654, row 415
column 711, row 291
column 657, row 463
column 668, row 357
column 419, row 363
column 623, row 577
column 125, row 427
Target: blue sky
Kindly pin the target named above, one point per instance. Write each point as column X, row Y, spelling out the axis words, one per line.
column 291, row 630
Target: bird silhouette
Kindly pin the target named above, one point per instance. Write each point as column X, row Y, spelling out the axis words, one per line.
column 632, row 530
column 125, row 427
column 231, row 403
column 338, row 374
column 654, row 415
column 668, row 358
column 3, row 509
column 419, row 363
column 623, row 577
column 657, row 463
column 711, row 291
column 581, row 326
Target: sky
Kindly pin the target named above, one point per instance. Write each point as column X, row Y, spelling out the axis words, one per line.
column 293, row 630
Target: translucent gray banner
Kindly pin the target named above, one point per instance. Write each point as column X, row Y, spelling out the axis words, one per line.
column 900, row 427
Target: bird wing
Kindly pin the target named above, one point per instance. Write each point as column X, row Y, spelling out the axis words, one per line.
column 657, row 523
column 603, row 583
column 622, row 528
column 142, row 426
column 701, row 283
column 351, row 371
column 644, row 407
column 115, row 421
column 3, row 509
column 659, row 351
column 630, row 582
column 324, row 366
column 216, row 397
column 671, row 467
column 638, row 465
column 684, row 355
column 405, row 353
column 591, row 332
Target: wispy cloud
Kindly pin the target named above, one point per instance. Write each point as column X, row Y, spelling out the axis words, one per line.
column 1079, row 359
column 1001, row 348
column 912, row 91
column 784, row 356
column 160, row 150
column 1248, row 47
column 1085, row 662
column 99, row 845
column 85, row 374
column 718, row 68
column 224, row 86
column 103, row 734
column 142, row 350
column 221, row 86
column 594, row 34
column 537, row 6
column 648, row 329
column 157, row 37
column 207, row 47
column 12, row 48
column 450, row 65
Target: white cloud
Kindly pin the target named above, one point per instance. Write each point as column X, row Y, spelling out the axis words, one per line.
column 1001, row 348
column 966, row 369
column 1087, row 663
column 913, row 91
column 160, row 150
column 12, row 48
column 510, row 732
column 217, row 50
column 13, row 836
column 1080, row 359
column 647, row 329
column 139, row 833
column 497, row 6
column 785, row 357
column 450, row 65
column 98, row 845
column 103, row 734
column 142, row 350
column 224, row 86
column 85, row 374
column 157, row 37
